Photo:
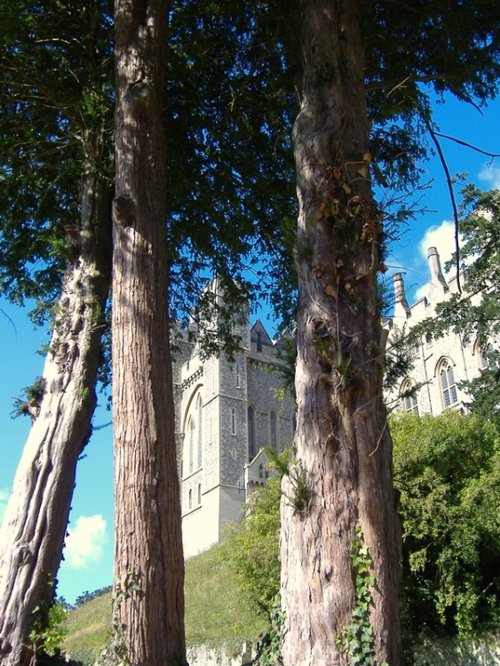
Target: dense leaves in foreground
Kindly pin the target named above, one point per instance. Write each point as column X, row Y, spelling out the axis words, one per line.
column 447, row 473
column 447, row 470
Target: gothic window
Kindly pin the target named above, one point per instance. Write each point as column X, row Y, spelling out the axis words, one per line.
column 199, row 457
column 482, row 362
column 261, row 471
column 199, row 494
column 233, row 422
column 273, row 430
column 237, row 370
column 191, row 432
column 251, row 433
column 190, row 499
column 447, row 384
column 409, row 397
column 259, row 341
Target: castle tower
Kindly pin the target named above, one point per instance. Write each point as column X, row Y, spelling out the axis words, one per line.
column 228, row 411
column 213, row 441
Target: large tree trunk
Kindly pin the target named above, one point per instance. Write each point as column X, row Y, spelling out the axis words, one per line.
column 35, row 523
column 338, row 499
column 149, row 568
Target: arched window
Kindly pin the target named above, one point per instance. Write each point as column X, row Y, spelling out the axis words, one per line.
column 190, row 499
column 237, row 370
column 199, row 457
column 481, row 360
column 199, row 493
column 233, row 422
column 191, row 428
column 273, row 430
column 447, row 384
column 251, row 433
column 409, row 397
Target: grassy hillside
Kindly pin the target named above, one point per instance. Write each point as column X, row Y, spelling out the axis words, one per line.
column 215, row 611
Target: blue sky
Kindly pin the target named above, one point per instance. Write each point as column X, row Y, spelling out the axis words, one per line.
column 89, row 549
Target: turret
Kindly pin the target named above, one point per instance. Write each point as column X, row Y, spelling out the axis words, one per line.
column 437, row 277
column 401, row 307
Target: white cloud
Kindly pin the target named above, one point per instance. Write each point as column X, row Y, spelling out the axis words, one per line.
column 85, row 542
column 4, row 498
column 491, row 174
column 442, row 237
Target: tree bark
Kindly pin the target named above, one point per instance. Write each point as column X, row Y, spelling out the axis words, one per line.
column 34, row 527
column 149, row 568
column 338, row 498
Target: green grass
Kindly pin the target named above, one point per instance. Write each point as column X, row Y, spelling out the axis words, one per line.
column 89, row 628
column 216, row 612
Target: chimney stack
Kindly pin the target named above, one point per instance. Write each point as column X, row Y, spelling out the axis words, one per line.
column 435, row 268
column 401, row 305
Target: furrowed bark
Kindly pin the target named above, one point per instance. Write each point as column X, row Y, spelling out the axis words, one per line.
column 342, row 482
column 35, row 523
column 149, row 568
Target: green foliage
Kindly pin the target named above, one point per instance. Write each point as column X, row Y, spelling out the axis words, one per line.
column 88, row 596
column 56, row 98
column 55, row 633
column 357, row 640
column 269, row 647
column 447, row 474
column 47, row 623
column 252, row 548
column 31, row 399
column 447, row 471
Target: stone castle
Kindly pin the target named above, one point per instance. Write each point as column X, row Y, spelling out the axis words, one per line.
column 439, row 365
column 228, row 412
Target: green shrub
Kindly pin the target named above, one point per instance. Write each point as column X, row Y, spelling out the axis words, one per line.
column 252, row 548
column 447, row 471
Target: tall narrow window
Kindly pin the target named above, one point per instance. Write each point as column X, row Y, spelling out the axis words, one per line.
column 447, row 383
column 482, row 361
column 199, row 457
column 237, row 369
column 251, row 433
column 199, row 494
column 273, row 430
column 233, row 422
column 191, row 429
column 259, row 341
column 409, row 397
column 190, row 499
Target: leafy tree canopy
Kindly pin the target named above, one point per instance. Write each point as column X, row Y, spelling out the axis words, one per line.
column 229, row 106
column 56, row 98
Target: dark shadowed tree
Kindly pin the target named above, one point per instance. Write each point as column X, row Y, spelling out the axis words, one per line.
column 341, row 485
column 362, row 68
column 54, row 245
column 149, row 567
column 56, row 157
